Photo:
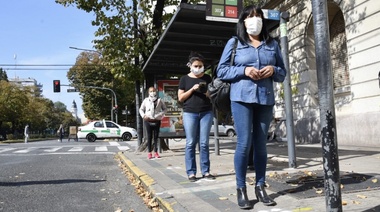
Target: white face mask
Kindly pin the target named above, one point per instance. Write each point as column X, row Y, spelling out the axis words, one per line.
column 254, row 25
column 197, row 71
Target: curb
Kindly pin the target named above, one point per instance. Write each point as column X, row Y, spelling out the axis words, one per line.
column 146, row 180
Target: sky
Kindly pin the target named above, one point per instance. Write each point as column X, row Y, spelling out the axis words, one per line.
column 40, row 32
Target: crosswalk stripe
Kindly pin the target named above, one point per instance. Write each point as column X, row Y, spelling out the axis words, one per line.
column 123, row 148
column 24, row 150
column 114, row 143
column 76, row 149
column 7, row 149
column 53, row 149
column 101, row 149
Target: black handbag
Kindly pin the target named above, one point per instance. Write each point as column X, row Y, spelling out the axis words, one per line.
column 219, row 90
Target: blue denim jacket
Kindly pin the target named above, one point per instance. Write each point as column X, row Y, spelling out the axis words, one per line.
column 243, row 88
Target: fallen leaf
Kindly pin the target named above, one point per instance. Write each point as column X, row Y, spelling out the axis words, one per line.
column 344, row 202
column 356, row 202
column 118, row 210
column 361, row 196
column 104, row 199
column 374, row 180
column 319, row 191
column 223, row 198
column 341, row 186
column 102, row 189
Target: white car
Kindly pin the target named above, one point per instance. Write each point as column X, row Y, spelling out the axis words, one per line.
column 223, row 129
column 102, row 129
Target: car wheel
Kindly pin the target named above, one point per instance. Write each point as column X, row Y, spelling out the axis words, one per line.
column 91, row 138
column 230, row 133
column 127, row 136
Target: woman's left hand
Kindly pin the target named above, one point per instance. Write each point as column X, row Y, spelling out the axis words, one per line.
column 266, row 72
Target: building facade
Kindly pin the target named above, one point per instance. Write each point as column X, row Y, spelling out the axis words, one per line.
column 354, row 46
column 25, row 82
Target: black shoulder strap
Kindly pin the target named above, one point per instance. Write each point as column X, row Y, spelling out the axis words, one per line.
column 232, row 58
column 233, row 52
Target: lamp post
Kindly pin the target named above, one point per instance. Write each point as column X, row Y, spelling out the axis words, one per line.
column 114, row 96
column 113, row 107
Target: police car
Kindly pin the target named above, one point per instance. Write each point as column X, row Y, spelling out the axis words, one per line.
column 103, row 129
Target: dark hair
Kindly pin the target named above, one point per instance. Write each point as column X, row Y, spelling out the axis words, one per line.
column 241, row 30
column 196, row 56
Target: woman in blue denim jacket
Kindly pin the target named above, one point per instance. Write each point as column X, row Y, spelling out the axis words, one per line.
column 257, row 64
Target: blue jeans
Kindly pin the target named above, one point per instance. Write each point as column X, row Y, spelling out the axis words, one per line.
column 251, row 125
column 197, row 128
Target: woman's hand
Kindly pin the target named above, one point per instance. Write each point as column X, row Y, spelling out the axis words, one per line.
column 263, row 73
column 266, row 72
column 252, row 73
column 195, row 87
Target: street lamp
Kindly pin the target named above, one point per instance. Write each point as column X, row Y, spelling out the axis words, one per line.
column 85, row 50
column 114, row 95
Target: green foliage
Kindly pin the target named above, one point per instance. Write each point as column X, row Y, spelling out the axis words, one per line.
column 3, row 75
column 89, row 70
column 22, row 105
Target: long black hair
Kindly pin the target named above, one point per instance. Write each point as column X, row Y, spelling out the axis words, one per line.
column 241, row 30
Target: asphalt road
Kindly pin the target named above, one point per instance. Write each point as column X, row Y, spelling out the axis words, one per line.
column 68, row 176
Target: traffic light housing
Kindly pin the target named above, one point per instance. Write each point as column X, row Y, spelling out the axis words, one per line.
column 57, row 86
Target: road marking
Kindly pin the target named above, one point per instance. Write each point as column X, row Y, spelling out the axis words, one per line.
column 7, row 149
column 101, row 149
column 53, row 149
column 75, row 149
column 114, row 143
column 25, row 150
column 123, row 148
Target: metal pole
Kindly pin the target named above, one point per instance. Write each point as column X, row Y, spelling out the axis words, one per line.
column 216, row 134
column 111, row 108
column 287, row 91
column 114, row 96
column 126, row 116
column 327, row 108
column 138, row 117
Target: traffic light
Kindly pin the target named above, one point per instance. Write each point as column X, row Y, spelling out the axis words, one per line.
column 115, row 109
column 56, row 86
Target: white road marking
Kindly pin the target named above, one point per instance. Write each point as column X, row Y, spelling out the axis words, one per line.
column 76, row 149
column 53, row 149
column 7, row 149
column 25, row 150
column 123, row 148
column 114, row 143
column 101, row 149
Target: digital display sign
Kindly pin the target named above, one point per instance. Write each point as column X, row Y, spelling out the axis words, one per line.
column 223, row 10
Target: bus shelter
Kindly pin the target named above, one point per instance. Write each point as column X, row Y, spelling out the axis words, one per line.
column 187, row 31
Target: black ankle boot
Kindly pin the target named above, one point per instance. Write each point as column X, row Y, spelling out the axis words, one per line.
column 262, row 196
column 242, row 198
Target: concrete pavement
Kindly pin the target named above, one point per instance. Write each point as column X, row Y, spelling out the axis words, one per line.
column 166, row 178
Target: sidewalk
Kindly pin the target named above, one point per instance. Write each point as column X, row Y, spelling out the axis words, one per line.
column 166, row 178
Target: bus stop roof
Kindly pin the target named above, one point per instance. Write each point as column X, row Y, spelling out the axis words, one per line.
column 187, row 31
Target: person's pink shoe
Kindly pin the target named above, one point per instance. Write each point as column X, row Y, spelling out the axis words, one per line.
column 156, row 155
column 149, row 156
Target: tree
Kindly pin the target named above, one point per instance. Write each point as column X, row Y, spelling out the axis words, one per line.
column 126, row 35
column 90, row 71
column 3, row 75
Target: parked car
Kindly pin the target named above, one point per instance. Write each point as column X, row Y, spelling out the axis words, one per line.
column 226, row 130
column 102, row 129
